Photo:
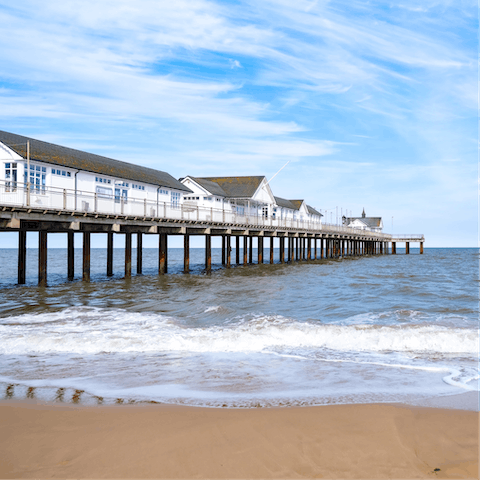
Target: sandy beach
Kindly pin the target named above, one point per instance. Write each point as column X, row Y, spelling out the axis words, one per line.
column 158, row 441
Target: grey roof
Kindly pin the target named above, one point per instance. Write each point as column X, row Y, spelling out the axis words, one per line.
column 233, row 187
column 78, row 160
column 371, row 222
column 283, row 202
column 312, row 211
column 212, row 187
column 296, row 204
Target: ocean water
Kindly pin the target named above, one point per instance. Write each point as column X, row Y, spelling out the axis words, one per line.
column 391, row 328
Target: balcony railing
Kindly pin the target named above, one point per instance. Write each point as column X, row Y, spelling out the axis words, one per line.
column 66, row 200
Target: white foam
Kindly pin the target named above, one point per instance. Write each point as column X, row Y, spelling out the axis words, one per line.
column 91, row 331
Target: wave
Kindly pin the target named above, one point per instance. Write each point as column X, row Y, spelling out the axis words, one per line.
column 87, row 330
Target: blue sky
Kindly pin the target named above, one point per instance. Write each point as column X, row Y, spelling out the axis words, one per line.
column 373, row 102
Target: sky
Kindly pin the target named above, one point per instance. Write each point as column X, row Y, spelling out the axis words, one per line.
column 373, row 103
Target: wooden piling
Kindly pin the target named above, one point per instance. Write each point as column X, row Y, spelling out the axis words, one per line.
column 22, row 256
column 250, row 249
column 208, row 253
column 282, row 249
column 42, row 258
column 86, row 257
column 421, row 248
column 70, row 255
column 237, row 249
column 186, row 253
column 128, row 255
column 309, row 248
column 228, row 249
column 109, row 254
column 260, row 250
column 223, row 249
column 245, row 249
column 162, row 254
column 407, row 247
column 271, row 250
column 139, row 253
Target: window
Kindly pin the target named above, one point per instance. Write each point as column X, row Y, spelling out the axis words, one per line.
column 265, row 212
column 163, row 191
column 11, row 177
column 37, row 178
column 175, row 199
column 103, row 180
column 137, row 187
column 121, row 193
column 63, row 173
column 103, row 192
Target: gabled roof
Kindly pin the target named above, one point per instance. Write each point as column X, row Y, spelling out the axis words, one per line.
column 312, row 211
column 284, row 203
column 371, row 222
column 78, row 160
column 210, row 186
column 296, row 204
column 233, row 187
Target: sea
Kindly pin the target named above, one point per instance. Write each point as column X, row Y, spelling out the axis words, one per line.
column 385, row 328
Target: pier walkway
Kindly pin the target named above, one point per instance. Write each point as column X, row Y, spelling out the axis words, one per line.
column 47, row 210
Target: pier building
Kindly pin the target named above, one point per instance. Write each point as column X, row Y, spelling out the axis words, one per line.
column 49, row 188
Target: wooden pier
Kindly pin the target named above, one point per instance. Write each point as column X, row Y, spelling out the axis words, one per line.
column 295, row 244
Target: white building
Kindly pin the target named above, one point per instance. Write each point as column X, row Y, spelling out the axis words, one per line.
column 373, row 224
column 60, row 177
column 242, row 196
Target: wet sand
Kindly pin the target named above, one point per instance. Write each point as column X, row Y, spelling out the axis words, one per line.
column 160, row 441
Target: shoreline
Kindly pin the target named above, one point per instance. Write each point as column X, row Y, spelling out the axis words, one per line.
column 172, row 441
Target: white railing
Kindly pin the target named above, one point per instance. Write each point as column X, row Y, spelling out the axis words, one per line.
column 58, row 199
column 412, row 236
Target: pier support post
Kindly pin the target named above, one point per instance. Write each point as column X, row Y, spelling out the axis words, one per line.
column 289, row 249
column 128, row 255
column 208, row 253
column 245, row 249
column 250, row 249
column 186, row 253
column 70, row 255
column 381, row 248
column 282, row 249
column 22, row 256
column 297, row 244
column 139, row 253
column 162, row 254
column 327, row 248
column 260, row 250
column 42, row 258
column 223, row 249
column 109, row 254
column 86, row 257
column 228, row 249
column 394, row 248
column 315, row 247
column 407, row 247
column 237, row 249
column 421, row 248
column 321, row 248
column 309, row 248
column 271, row 250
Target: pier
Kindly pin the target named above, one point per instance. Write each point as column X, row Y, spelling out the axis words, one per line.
column 294, row 240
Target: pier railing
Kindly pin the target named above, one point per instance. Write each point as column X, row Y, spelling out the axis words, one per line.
column 41, row 197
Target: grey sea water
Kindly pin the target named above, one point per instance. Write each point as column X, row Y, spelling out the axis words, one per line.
column 394, row 328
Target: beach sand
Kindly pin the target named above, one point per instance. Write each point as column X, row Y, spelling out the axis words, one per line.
column 161, row 441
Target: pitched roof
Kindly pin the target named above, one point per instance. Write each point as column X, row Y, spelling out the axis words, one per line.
column 296, row 204
column 78, row 160
column 210, row 186
column 371, row 222
column 312, row 211
column 233, row 187
column 283, row 202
